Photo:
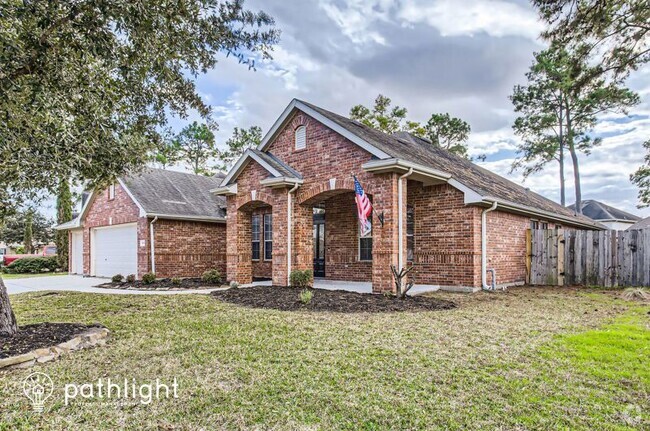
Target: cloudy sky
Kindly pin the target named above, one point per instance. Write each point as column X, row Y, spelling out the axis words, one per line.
column 456, row 56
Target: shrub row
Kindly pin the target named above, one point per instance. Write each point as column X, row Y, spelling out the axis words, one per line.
column 33, row 265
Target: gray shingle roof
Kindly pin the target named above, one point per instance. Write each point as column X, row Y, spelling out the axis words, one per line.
column 417, row 150
column 277, row 164
column 179, row 194
column 641, row 224
column 599, row 211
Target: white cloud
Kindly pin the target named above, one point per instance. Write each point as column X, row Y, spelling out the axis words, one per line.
column 470, row 17
column 357, row 17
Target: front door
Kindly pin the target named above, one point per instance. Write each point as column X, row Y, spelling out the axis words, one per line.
column 319, row 245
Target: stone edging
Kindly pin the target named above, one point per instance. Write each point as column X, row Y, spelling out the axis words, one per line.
column 90, row 338
column 161, row 289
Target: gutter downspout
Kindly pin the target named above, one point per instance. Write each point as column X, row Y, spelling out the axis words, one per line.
column 151, row 242
column 484, row 285
column 289, row 229
column 400, row 220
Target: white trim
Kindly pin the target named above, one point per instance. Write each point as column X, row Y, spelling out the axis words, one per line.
column 225, row 190
column 470, row 196
column 295, row 103
column 111, row 191
column 241, row 164
column 281, row 182
column 188, row 218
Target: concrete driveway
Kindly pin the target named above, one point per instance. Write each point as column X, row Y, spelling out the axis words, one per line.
column 77, row 283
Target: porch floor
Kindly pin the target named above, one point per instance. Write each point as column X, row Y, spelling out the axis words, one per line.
column 350, row 286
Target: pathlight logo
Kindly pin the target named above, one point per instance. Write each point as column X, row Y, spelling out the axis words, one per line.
column 38, row 387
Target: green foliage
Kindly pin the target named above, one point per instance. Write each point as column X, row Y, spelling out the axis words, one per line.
column 641, row 178
column 442, row 130
column 90, row 84
column 239, row 142
column 20, row 250
column 167, row 151
column 212, row 276
column 130, row 278
column 306, row 296
column 117, row 278
column 149, row 278
column 177, row 280
column 301, row 278
column 558, row 109
column 13, row 230
column 196, row 146
column 614, row 33
column 63, row 214
column 28, row 238
column 33, row 265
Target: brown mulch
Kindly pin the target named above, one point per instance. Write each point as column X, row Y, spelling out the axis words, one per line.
column 288, row 299
column 39, row 335
column 163, row 283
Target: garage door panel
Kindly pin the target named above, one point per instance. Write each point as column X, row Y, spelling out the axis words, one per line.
column 116, row 250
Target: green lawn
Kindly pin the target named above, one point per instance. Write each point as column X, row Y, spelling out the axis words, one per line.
column 527, row 359
column 16, row 276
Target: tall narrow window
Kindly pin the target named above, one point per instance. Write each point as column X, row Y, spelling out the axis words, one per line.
column 268, row 236
column 410, row 233
column 255, row 236
column 301, row 137
column 111, row 192
column 534, row 224
column 365, row 245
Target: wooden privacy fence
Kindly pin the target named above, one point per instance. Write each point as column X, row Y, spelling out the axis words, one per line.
column 594, row 258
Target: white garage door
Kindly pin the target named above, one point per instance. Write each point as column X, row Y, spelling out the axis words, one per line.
column 115, row 250
column 77, row 250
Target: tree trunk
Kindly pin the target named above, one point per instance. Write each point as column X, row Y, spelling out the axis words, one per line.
column 8, row 324
column 576, row 167
column 561, row 138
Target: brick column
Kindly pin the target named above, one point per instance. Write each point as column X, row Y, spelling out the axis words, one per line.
column 303, row 237
column 239, row 266
column 385, row 249
column 280, row 239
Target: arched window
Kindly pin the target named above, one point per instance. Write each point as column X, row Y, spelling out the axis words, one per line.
column 301, row 137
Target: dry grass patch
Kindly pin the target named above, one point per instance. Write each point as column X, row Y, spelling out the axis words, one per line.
column 498, row 361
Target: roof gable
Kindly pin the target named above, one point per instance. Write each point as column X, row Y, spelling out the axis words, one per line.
column 599, row 211
column 274, row 166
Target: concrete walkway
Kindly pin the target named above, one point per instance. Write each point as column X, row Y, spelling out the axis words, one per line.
column 77, row 283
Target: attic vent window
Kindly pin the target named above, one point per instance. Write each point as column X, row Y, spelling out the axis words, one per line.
column 301, row 137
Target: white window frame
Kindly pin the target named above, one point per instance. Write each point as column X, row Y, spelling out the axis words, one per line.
column 270, row 215
column 259, row 235
column 359, row 238
column 296, row 138
column 111, row 192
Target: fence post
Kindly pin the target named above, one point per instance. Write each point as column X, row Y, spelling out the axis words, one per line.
column 560, row 257
column 529, row 254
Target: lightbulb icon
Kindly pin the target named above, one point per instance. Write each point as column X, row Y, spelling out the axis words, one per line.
column 38, row 387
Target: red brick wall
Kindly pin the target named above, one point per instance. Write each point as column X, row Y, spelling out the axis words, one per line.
column 188, row 248
column 109, row 212
column 342, row 241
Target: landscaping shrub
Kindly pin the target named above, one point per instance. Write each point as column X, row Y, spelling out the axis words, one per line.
column 306, row 296
column 176, row 280
column 234, row 284
column 33, row 265
column 117, row 278
column 212, row 276
column 130, row 278
column 300, row 278
column 149, row 278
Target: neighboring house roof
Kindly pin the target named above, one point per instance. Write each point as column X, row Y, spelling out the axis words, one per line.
column 641, row 224
column 404, row 150
column 602, row 212
column 168, row 194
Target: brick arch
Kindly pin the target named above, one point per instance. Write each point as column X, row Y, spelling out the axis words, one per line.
column 299, row 120
column 250, row 202
column 326, row 189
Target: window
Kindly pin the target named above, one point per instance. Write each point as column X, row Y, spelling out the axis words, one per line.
column 410, row 233
column 255, row 236
column 534, row 224
column 301, row 137
column 544, row 225
column 111, row 192
column 268, row 236
column 365, row 245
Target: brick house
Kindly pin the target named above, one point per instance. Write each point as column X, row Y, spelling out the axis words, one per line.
column 158, row 221
column 291, row 205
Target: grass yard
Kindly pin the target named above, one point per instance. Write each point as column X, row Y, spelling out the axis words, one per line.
column 16, row 276
column 525, row 359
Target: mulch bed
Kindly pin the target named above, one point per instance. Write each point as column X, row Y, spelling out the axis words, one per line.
column 40, row 335
column 162, row 284
column 288, row 299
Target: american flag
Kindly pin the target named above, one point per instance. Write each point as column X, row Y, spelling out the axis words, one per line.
column 364, row 208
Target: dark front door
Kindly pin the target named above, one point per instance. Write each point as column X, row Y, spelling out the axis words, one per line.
column 319, row 245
